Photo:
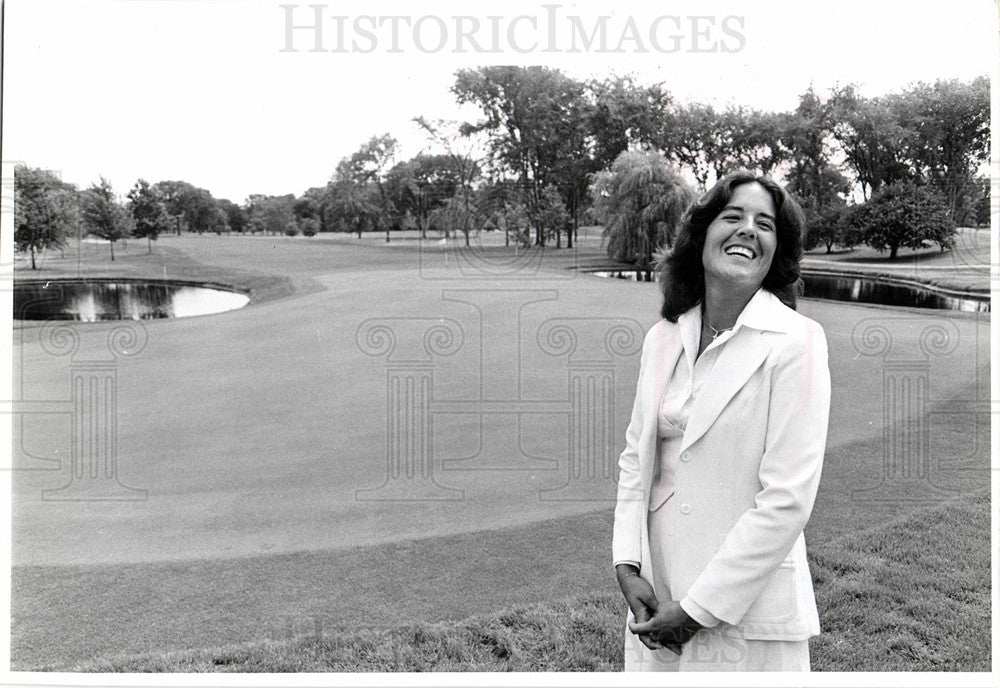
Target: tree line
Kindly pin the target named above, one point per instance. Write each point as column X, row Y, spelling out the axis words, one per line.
column 550, row 152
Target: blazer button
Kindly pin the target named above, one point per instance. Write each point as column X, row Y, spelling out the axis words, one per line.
column 686, row 456
column 685, row 508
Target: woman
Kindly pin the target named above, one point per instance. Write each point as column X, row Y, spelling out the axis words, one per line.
column 725, row 447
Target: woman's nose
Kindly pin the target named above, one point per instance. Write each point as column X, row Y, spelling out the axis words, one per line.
column 747, row 227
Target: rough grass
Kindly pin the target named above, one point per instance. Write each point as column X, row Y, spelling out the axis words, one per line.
column 912, row 594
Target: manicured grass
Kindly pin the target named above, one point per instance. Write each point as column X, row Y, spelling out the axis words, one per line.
column 912, row 594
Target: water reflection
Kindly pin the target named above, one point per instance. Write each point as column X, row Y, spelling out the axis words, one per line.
column 862, row 290
column 93, row 300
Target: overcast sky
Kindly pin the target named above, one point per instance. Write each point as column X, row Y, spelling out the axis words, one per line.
column 203, row 91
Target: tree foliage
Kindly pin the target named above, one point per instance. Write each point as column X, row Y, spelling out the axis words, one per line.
column 149, row 216
column 367, row 167
column 536, row 122
column 272, row 214
column 872, row 138
column 640, row 200
column 192, row 207
column 905, row 215
column 104, row 216
column 352, row 207
column 45, row 210
column 951, row 125
column 418, row 186
column 625, row 115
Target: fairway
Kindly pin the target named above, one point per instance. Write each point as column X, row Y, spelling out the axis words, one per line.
column 260, row 436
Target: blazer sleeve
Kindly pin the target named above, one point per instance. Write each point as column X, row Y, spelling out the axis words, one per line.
column 795, row 441
column 630, row 505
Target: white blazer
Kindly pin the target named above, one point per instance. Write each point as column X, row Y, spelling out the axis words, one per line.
column 748, row 470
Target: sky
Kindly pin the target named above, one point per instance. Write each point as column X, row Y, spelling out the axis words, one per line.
column 231, row 97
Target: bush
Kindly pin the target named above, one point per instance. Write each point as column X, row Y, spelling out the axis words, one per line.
column 310, row 227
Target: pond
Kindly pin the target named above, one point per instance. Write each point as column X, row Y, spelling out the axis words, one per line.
column 92, row 300
column 884, row 291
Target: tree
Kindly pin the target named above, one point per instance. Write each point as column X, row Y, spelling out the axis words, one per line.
column 951, row 125
column 236, row 217
column 149, row 216
column 812, row 178
column 535, row 120
column 272, row 214
column 624, row 116
column 309, row 226
column 309, row 206
column 982, row 206
column 552, row 213
column 453, row 216
column 871, row 138
column 420, row 185
column 691, row 137
column 905, row 214
column 640, row 201
column 45, row 210
column 353, row 207
column 500, row 205
column 830, row 226
column 104, row 216
column 192, row 206
column 466, row 161
column 748, row 140
column 367, row 165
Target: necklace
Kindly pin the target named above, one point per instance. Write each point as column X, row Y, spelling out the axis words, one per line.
column 716, row 333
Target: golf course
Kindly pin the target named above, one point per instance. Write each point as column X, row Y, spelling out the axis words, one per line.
column 261, row 518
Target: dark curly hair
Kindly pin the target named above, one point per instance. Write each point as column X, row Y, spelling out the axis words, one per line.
column 680, row 272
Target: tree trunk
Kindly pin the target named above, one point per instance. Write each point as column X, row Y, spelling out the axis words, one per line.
column 111, row 244
column 892, row 251
column 150, row 241
column 33, row 266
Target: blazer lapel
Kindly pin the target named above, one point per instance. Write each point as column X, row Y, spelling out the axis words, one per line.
column 667, row 353
column 668, row 350
column 739, row 358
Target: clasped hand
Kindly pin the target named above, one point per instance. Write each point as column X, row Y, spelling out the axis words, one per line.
column 658, row 624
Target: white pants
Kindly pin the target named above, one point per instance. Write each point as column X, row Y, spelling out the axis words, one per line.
column 712, row 649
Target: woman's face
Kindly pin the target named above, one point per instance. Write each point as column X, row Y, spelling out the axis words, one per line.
column 741, row 241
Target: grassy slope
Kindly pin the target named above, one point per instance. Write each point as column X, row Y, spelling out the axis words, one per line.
column 892, row 598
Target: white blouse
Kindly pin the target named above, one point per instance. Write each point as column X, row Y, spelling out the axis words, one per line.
column 679, row 394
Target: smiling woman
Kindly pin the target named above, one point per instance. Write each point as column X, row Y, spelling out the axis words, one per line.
column 708, row 544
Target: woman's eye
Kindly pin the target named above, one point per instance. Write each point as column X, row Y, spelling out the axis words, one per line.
column 767, row 225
